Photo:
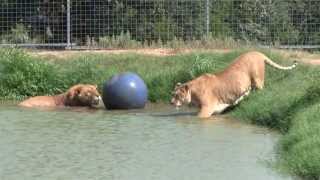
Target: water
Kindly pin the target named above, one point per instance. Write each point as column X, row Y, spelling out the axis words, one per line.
column 157, row 143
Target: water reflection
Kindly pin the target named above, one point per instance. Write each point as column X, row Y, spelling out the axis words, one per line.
column 158, row 142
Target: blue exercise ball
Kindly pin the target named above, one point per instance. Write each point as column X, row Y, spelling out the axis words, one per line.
column 125, row 91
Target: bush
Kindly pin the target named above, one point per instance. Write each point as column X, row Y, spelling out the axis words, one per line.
column 22, row 75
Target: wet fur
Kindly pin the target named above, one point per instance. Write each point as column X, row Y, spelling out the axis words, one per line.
column 77, row 95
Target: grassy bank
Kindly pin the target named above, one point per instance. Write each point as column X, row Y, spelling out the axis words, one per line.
column 23, row 75
column 289, row 102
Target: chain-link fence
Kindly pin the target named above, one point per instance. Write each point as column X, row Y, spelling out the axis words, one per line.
column 132, row 23
column 33, row 22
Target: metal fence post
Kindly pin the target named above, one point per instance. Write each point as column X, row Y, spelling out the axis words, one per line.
column 207, row 17
column 68, row 25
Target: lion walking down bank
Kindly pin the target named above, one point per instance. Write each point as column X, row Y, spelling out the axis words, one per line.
column 213, row 93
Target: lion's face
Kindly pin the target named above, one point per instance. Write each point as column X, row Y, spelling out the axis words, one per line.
column 181, row 95
column 84, row 95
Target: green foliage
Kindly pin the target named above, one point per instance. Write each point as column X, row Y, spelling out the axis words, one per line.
column 18, row 34
column 124, row 40
column 299, row 151
column 221, row 11
column 22, row 75
column 208, row 64
column 266, row 22
column 165, row 28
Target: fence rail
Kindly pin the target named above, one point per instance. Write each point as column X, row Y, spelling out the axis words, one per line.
column 126, row 23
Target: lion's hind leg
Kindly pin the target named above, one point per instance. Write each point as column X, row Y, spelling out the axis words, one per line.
column 258, row 78
column 258, row 83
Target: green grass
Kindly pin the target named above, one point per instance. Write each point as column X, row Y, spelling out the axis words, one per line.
column 285, row 94
column 299, row 149
column 288, row 103
column 23, row 75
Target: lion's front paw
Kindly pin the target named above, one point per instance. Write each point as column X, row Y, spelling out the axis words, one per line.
column 204, row 115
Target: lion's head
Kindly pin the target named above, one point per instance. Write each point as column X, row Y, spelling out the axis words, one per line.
column 181, row 95
column 83, row 95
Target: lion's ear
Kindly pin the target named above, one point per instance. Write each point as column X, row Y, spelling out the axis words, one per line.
column 178, row 84
column 74, row 91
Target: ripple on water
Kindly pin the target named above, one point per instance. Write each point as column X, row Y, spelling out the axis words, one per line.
column 158, row 142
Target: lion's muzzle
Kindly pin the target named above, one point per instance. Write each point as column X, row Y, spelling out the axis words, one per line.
column 175, row 102
column 96, row 100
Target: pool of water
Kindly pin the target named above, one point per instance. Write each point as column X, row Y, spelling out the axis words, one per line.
column 158, row 143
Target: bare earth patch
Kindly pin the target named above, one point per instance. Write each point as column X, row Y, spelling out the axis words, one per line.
column 301, row 56
column 65, row 54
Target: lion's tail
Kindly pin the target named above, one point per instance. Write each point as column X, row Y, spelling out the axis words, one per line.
column 273, row 64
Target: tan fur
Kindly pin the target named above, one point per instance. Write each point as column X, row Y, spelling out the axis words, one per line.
column 77, row 95
column 213, row 93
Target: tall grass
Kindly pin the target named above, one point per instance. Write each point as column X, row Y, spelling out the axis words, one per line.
column 289, row 101
column 299, row 149
column 284, row 95
column 23, row 75
column 125, row 40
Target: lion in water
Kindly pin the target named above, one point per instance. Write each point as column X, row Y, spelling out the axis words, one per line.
column 77, row 95
column 214, row 93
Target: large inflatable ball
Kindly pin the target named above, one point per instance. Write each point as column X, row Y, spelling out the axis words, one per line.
column 125, row 91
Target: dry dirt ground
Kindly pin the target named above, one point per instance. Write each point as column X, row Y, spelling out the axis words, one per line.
column 65, row 54
column 302, row 56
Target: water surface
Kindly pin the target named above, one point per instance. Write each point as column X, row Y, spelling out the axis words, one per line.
column 157, row 143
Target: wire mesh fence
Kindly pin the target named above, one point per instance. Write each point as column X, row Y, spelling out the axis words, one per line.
column 37, row 22
column 132, row 23
column 113, row 23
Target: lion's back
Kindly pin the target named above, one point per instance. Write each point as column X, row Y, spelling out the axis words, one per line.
column 40, row 101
